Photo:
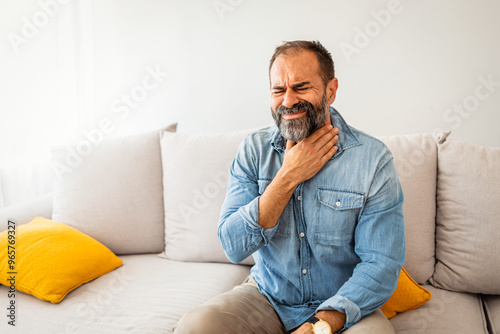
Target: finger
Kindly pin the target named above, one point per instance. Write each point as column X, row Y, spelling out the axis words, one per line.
column 326, row 152
column 331, row 135
column 329, row 144
column 289, row 145
column 326, row 138
column 319, row 133
column 335, row 139
column 328, row 120
column 328, row 155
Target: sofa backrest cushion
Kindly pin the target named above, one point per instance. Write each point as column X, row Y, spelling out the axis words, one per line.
column 113, row 193
column 195, row 174
column 25, row 212
column 415, row 157
column 468, row 218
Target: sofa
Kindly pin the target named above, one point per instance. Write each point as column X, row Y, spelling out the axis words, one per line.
column 153, row 199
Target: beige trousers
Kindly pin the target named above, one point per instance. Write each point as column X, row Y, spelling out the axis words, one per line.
column 244, row 310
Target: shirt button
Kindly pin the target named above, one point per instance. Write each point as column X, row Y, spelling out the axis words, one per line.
column 302, row 234
column 299, row 198
column 304, row 271
column 338, row 203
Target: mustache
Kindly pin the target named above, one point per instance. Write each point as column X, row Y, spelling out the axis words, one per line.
column 303, row 105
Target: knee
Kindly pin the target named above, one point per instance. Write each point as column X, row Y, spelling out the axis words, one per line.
column 203, row 319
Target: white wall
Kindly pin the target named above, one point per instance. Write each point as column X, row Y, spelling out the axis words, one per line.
column 407, row 79
column 419, row 69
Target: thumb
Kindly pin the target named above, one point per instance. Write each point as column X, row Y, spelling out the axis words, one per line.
column 289, row 145
column 328, row 120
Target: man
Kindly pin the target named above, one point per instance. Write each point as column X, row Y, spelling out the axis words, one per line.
column 319, row 207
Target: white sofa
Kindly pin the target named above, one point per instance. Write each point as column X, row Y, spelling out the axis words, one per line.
column 154, row 201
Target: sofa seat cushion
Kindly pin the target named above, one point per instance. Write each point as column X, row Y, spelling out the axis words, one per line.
column 147, row 294
column 415, row 157
column 492, row 308
column 447, row 312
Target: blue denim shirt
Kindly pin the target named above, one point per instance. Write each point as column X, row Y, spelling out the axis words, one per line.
column 340, row 242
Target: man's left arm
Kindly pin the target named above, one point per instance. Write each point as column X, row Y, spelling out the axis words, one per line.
column 380, row 244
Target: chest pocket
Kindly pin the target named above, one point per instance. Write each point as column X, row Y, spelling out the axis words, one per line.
column 337, row 216
column 284, row 221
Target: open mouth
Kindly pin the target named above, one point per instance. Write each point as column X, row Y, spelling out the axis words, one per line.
column 294, row 115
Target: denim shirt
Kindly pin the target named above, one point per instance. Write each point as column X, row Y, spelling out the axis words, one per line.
column 340, row 242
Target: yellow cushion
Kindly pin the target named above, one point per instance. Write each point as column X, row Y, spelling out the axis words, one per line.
column 408, row 296
column 51, row 259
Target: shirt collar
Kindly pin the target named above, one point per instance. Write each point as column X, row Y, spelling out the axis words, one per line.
column 347, row 139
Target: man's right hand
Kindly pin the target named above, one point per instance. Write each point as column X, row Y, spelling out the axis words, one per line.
column 306, row 158
column 301, row 162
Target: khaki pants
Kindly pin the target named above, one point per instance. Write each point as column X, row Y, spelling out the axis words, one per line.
column 244, row 310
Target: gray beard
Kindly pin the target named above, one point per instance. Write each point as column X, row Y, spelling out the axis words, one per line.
column 298, row 129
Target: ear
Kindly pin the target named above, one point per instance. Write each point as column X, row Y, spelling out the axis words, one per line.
column 331, row 90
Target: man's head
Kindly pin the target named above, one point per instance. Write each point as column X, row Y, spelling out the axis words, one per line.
column 303, row 85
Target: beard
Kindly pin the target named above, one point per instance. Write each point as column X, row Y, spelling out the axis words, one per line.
column 297, row 129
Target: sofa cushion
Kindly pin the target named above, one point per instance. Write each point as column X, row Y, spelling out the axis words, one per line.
column 447, row 312
column 408, row 296
column 114, row 193
column 374, row 323
column 23, row 213
column 492, row 308
column 51, row 259
column 195, row 173
column 467, row 222
column 145, row 295
column 415, row 157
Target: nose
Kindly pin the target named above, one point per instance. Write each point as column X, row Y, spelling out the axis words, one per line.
column 290, row 98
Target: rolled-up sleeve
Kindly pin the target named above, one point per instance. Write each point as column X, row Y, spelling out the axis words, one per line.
column 380, row 245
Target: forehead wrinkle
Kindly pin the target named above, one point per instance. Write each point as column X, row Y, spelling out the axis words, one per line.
column 286, row 72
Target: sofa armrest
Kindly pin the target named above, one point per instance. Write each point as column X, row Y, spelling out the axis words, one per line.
column 24, row 213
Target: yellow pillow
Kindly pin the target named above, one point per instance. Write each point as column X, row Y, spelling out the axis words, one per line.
column 408, row 296
column 50, row 259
